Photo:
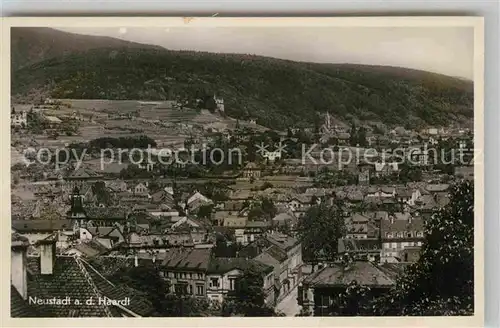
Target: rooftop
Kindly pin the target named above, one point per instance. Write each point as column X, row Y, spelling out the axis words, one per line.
column 363, row 272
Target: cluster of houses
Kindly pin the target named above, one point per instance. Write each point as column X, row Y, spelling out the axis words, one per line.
column 84, row 225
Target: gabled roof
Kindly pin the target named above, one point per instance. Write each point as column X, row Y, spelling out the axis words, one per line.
column 26, row 226
column 73, row 277
column 197, row 259
column 103, row 213
column 19, row 308
column 222, row 265
column 83, row 173
column 401, row 223
column 437, row 187
column 363, row 272
column 283, row 241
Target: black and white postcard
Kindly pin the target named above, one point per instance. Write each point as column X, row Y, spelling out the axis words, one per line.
column 305, row 171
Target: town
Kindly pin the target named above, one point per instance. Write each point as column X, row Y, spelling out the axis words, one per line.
column 280, row 228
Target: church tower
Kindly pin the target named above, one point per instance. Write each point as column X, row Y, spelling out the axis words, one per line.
column 77, row 212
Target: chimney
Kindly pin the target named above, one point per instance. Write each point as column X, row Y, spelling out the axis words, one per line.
column 18, row 276
column 47, row 255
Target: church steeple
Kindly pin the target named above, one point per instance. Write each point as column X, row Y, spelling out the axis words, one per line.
column 76, row 210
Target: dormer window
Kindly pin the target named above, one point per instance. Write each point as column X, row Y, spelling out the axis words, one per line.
column 420, row 234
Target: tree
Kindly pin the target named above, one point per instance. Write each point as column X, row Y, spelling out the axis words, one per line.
column 319, row 230
column 442, row 281
column 147, row 280
column 205, row 211
column 248, row 298
column 353, row 301
column 102, row 194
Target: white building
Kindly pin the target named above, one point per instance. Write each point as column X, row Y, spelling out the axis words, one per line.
column 18, row 118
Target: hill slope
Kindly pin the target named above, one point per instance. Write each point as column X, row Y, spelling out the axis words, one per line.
column 278, row 93
column 34, row 44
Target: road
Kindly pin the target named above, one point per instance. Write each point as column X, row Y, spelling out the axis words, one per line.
column 289, row 305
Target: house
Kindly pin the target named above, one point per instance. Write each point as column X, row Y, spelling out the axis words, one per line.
column 437, row 188
column 35, row 230
column 360, row 226
column 108, row 236
column 235, row 221
column 367, row 249
column 285, row 220
column 320, row 289
column 19, row 119
column 282, row 252
column 222, row 275
column 383, row 168
column 116, row 185
column 253, row 230
column 77, row 177
column 399, row 231
column 53, row 121
column 185, row 269
column 35, row 279
column 87, row 249
column 94, row 216
column 407, row 195
column 219, row 102
column 465, row 172
column 382, row 191
column 140, row 189
column 271, row 156
column 251, row 171
column 410, row 254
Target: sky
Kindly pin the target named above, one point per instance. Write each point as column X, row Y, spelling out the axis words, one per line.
column 445, row 50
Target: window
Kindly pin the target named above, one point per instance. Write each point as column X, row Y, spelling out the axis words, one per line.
column 199, row 290
column 408, row 234
column 190, row 290
column 214, row 282
column 231, row 283
column 175, row 275
column 420, row 234
column 200, row 276
column 181, row 289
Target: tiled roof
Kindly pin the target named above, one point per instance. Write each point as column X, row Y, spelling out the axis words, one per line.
column 72, row 277
column 437, row 187
column 83, row 173
column 426, row 202
column 41, row 225
column 19, row 308
column 276, row 253
column 223, row 265
column 357, row 245
column 103, row 213
column 404, row 192
column 91, row 248
column 283, row 217
column 281, row 240
column 267, row 259
column 364, row 273
column 257, row 224
column 401, row 223
column 187, row 259
column 138, row 303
